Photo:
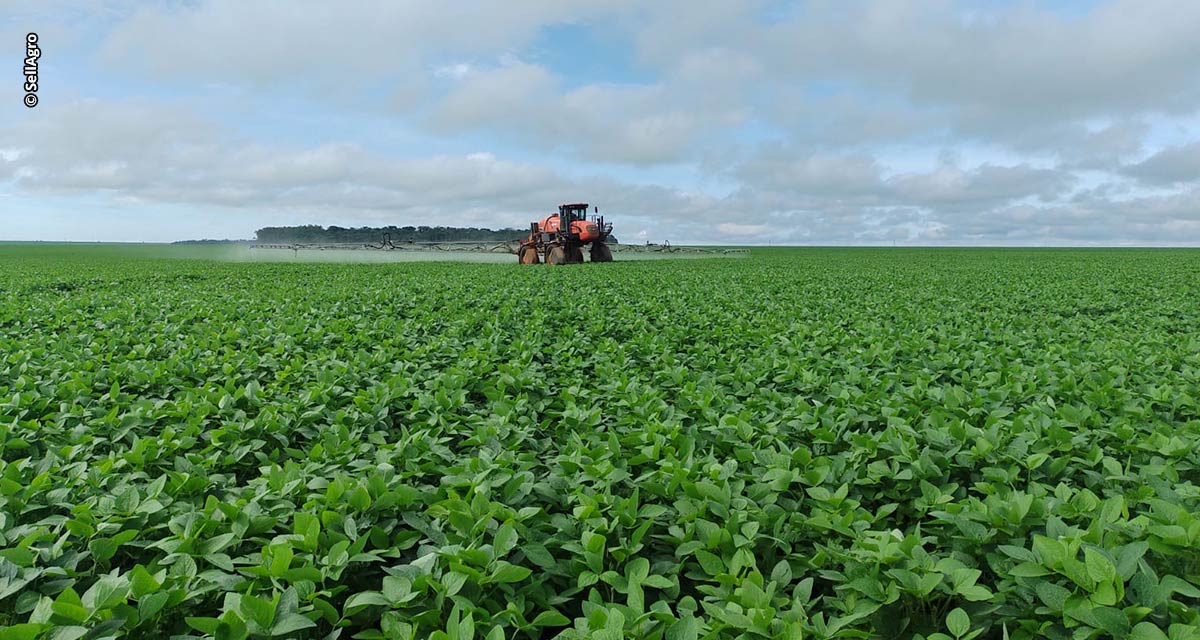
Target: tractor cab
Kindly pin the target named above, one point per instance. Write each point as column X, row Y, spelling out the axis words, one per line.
column 571, row 218
column 568, row 213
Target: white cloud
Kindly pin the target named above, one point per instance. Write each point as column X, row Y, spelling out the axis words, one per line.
column 146, row 154
column 527, row 104
column 735, row 229
column 456, row 71
column 983, row 186
column 812, row 121
column 281, row 41
column 1174, row 165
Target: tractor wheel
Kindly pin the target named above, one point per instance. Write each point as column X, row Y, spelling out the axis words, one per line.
column 575, row 255
column 557, row 255
column 601, row 252
column 528, row 255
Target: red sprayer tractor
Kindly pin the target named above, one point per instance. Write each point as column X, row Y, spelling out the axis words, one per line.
column 560, row 237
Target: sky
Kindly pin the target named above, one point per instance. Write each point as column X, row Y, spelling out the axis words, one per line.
column 814, row 122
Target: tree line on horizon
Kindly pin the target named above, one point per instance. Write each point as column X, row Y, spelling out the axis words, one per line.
column 334, row 234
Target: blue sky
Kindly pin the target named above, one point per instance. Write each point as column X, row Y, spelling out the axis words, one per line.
column 809, row 122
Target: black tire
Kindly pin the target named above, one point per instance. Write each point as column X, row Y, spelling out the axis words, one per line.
column 557, row 255
column 601, row 252
column 528, row 255
column 575, row 255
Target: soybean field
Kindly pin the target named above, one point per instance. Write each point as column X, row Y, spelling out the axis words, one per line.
column 800, row 443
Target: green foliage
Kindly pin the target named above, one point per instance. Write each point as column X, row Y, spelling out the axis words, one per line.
column 809, row 443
